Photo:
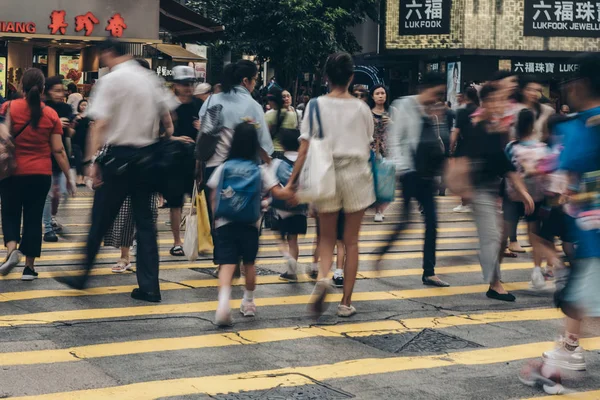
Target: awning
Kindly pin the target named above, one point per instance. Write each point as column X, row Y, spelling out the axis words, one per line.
column 178, row 53
column 187, row 25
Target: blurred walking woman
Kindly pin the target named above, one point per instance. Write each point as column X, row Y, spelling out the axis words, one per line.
column 348, row 124
column 38, row 132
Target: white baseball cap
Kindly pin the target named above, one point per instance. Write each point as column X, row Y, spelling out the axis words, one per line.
column 183, row 73
column 202, row 88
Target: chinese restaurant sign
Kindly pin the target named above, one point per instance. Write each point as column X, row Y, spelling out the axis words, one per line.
column 574, row 18
column 95, row 18
column 425, row 17
column 543, row 67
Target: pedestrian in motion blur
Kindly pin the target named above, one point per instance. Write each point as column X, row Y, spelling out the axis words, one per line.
column 127, row 90
column 37, row 131
column 348, row 124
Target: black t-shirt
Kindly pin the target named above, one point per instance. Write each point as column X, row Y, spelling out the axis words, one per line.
column 486, row 151
column 463, row 124
column 64, row 111
column 187, row 113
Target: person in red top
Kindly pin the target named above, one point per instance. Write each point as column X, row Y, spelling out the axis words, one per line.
column 39, row 136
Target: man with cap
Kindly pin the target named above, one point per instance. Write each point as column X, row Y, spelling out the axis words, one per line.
column 187, row 125
column 203, row 92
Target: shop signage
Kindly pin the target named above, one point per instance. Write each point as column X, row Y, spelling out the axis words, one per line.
column 58, row 25
column 17, row 27
column 425, row 17
column 543, row 67
column 573, row 18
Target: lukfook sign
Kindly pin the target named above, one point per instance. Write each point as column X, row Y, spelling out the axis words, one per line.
column 425, row 17
column 574, row 18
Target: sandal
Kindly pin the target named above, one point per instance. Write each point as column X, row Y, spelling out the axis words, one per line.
column 177, row 251
column 121, row 267
column 509, row 254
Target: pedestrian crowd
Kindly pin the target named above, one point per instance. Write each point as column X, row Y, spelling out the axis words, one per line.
column 140, row 147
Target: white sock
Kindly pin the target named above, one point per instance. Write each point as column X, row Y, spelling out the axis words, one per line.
column 338, row 273
column 291, row 264
column 315, row 267
column 224, row 297
column 249, row 295
column 287, row 256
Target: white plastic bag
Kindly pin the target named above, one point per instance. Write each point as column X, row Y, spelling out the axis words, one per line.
column 190, row 240
column 317, row 178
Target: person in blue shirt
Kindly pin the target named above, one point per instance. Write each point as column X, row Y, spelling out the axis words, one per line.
column 581, row 155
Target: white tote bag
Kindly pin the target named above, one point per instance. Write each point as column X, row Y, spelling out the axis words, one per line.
column 190, row 241
column 317, row 178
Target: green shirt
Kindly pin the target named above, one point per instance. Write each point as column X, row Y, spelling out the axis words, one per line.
column 291, row 120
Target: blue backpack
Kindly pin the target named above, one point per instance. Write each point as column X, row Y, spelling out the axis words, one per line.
column 284, row 171
column 239, row 192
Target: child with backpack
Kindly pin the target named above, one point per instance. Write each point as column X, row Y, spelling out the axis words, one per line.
column 292, row 220
column 238, row 186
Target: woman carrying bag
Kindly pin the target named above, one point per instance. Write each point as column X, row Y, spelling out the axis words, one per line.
column 36, row 132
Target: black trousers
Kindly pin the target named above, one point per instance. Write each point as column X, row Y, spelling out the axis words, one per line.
column 108, row 199
column 24, row 196
column 420, row 189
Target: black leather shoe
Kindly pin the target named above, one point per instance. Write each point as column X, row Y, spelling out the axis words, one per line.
column 492, row 294
column 74, row 282
column 50, row 237
column 149, row 297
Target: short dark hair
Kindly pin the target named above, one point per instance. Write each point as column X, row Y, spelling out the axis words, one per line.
column 289, row 139
column 71, row 87
column 525, row 121
column 589, row 65
column 339, row 68
column 486, row 91
column 432, row 79
column 53, row 81
column 472, row 95
column 115, row 46
column 143, row 63
column 244, row 144
column 234, row 74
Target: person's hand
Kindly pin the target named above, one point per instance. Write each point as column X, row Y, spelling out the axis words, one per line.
column 529, row 204
column 184, row 139
column 65, row 122
column 71, row 187
column 196, row 124
column 94, row 174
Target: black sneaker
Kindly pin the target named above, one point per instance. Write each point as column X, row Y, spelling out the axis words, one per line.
column 29, row 274
column 50, row 237
column 286, row 276
column 137, row 294
column 314, row 275
column 338, row 281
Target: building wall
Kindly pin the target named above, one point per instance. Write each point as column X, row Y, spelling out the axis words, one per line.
column 482, row 25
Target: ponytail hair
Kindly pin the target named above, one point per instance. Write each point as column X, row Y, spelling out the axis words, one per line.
column 234, row 74
column 33, row 86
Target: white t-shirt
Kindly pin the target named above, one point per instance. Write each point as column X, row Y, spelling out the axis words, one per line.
column 346, row 123
column 269, row 180
column 73, row 100
column 292, row 156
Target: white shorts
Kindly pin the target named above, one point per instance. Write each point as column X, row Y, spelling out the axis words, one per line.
column 354, row 190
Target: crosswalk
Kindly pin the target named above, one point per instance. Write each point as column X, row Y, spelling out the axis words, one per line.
column 408, row 341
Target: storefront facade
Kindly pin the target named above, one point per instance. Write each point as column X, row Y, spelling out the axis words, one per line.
column 470, row 40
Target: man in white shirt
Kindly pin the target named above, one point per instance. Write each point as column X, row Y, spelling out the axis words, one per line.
column 126, row 106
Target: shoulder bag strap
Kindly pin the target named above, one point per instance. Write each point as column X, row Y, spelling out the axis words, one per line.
column 318, row 115
column 14, row 135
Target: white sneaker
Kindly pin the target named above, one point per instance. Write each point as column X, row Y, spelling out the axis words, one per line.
column 133, row 248
column 345, row 311
column 248, row 308
column 538, row 282
column 223, row 317
column 563, row 358
column 378, row 217
column 12, row 261
column 462, row 209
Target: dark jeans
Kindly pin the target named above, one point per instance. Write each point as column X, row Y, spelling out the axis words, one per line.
column 107, row 202
column 420, row 189
column 24, row 196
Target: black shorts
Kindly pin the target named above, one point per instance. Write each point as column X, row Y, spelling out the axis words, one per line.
column 556, row 223
column 235, row 242
column 515, row 210
column 294, row 225
column 341, row 223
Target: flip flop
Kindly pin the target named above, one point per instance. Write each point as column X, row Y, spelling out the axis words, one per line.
column 510, row 254
column 177, row 251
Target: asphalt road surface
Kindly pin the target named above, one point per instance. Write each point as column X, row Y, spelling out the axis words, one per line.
column 407, row 341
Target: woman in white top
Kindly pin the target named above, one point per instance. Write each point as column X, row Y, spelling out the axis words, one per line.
column 348, row 124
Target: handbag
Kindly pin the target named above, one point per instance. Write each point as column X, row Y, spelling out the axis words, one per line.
column 210, row 132
column 8, row 161
column 384, row 178
column 190, row 240
column 205, row 240
column 317, row 178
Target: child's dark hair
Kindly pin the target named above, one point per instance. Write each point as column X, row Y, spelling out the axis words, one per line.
column 289, row 139
column 245, row 142
column 525, row 123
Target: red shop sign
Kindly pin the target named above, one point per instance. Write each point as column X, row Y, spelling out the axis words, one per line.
column 17, row 27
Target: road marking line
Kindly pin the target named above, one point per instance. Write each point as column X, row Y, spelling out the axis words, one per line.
column 592, row 395
column 269, row 379
column 268, row 335
column 51, row 317
column 261, row 280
